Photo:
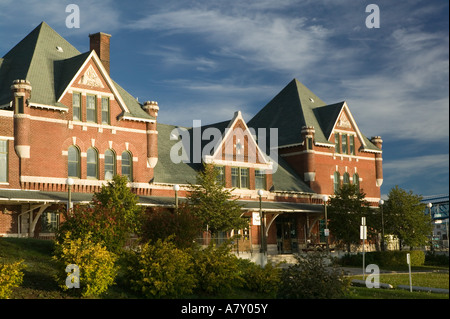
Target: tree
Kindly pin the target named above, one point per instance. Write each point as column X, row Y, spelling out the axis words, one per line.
column 345, row 212
column 213, row 204
column 404, row 216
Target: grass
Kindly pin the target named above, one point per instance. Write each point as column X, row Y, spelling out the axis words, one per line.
column 39, row 282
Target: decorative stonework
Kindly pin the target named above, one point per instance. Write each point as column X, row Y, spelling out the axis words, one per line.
column 344, row 122
column 90, row 78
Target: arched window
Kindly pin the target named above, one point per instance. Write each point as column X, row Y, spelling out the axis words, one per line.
column 110, row 164
column 346, row 179
column 73, row 160
column 337, row 181
column 127, row 165
column 92, row 163
column 356, row 180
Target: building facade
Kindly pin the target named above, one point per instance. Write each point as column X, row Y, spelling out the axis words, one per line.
column 62, row 116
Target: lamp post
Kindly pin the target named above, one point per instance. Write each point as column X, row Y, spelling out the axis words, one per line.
column 429, row 205
column 69, row 183
column 260, row 193
column 176, row 188
column 381, row 202
column 326, row 231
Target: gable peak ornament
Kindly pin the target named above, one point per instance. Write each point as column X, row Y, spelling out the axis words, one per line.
column 90, row 78
column 344, row 122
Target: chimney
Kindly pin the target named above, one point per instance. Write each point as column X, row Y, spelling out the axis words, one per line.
column 100, row 43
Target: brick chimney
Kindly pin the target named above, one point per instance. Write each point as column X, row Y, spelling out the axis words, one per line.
column 100, row 43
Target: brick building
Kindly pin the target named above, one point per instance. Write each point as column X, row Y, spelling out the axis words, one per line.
column 61, row 115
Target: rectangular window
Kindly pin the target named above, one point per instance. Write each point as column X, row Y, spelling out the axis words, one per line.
column 260, row 179
column 91, row 108
column 344, row 144
column 19, row 105
column 337, row 143
column 352, row 144
column 76, row 106
column 234, row 177
column 244, row 178
column 309, row 143
column 220, row 175
column 105, row 110
column 3, row 161
column 49, row 222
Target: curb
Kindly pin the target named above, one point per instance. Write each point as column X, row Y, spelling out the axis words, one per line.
column 425, row 289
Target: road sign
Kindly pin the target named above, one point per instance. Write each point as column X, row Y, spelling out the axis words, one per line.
column 363, row 232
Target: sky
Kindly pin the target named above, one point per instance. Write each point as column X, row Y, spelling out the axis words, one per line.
column 206, row 59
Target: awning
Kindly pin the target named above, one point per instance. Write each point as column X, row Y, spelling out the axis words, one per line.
column 8, row 196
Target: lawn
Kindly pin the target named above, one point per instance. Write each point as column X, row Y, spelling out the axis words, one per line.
column 39, row 282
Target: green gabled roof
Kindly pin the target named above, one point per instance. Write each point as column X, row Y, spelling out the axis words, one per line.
column 294, row 107
column 166, row 171
column 49, row 63
column 284, row 179
column 289, row 111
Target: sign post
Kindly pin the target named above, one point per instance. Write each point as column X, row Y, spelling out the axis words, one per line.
column 363, row 236
column 408, row 261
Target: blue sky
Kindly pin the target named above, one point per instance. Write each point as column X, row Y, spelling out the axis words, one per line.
column 207, row 59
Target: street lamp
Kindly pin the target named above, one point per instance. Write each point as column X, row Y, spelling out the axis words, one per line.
column 381, row 202
column 260, row 193
column 326, row 230
column 69, row 183
column 176, row 188
column 429, row 205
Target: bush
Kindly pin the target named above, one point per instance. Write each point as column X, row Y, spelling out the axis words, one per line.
column 311, row 279
column 100, row 222
column 96, row 265
column 258, row 279
column 11, row 276
column 216, row 269
column 434, row 259
column 162, row 223
column 161, row 270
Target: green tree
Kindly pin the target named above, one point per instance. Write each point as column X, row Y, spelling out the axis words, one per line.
column 404, row 216
column 213, row 204
column 345, row 212
column 116, row 194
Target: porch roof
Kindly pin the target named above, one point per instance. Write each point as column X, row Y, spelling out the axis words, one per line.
column 15, row 197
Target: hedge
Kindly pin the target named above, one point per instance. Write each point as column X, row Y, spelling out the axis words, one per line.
column 385, row 258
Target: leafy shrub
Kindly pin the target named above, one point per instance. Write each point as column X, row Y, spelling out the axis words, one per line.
column 96, row 264
column 100, row 222
column 311, row 279
column 11, row 276
column 111, row 218
column 161, row 270
column 216, row 269
column 265, row 280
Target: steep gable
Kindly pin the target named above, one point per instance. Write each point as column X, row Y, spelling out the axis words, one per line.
column 50, row 64
column 289, row 111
